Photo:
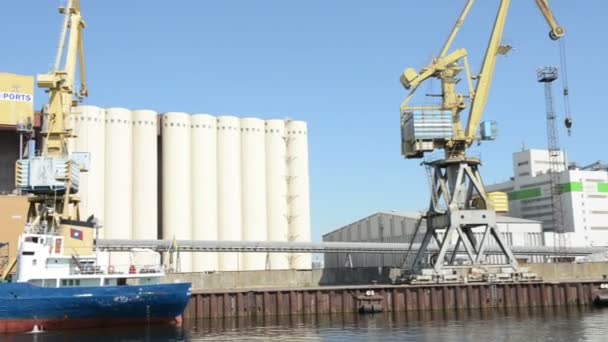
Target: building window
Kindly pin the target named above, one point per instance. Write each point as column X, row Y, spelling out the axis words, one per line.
column 534, row 184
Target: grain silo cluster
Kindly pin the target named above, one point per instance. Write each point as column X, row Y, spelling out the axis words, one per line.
column 207, row 178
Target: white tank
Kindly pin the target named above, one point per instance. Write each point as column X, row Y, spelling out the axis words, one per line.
column 229, row 188
column 88, row 124
column 119, row 181
column 299, row 204
column 253, row 176
column 145, row 182
column 276, row 189
column 204, row 188
column 176, row 182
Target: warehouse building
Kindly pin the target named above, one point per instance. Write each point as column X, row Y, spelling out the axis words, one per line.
column 584, row 197
column 398, row 227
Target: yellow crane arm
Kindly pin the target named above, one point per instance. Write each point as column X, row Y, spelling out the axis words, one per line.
column 556, row 31
column 494, row 48
column 60, row 83
column 484, row 80
column 84, row 91
column 411, row 79
column 456, row 28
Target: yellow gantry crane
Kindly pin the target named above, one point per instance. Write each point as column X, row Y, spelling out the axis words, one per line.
column 53, row 176
column 459, row 203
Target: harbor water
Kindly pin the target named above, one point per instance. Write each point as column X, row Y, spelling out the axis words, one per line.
column 548, row 324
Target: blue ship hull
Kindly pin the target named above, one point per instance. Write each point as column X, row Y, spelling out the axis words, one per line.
column 23, row 306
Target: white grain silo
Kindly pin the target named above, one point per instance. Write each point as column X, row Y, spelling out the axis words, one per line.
column 276, row 189
column 229, row 188
column 176, row 182
column 88, row 124
column 118, row 180
column 253, row 176
column 299, row 196
column 204, row 188
column 145, row 180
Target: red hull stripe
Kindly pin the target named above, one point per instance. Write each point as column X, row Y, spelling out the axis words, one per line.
column 26, row 325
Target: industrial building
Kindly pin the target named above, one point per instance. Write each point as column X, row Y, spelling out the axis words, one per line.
column 180, row 176
column 221, row 178
column 398, row 227
column 16, row 119
column 583, row 197
column 16, row 115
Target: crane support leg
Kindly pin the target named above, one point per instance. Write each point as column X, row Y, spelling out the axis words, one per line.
column 452, row 218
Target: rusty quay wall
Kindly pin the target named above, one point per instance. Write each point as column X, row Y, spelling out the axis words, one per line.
column 323, row 300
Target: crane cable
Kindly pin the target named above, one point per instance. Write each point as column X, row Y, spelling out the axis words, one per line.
column 563, row 65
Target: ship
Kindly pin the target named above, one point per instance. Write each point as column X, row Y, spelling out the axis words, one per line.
column 51, row 290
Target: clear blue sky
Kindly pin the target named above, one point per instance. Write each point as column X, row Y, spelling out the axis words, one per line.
column 335, row 64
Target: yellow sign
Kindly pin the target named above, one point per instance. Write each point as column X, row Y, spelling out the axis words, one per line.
column 16, row 99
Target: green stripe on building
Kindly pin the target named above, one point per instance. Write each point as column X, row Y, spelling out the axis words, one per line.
column 602, row 187
column 524, row 194
column 564, row 188
column 571, row 187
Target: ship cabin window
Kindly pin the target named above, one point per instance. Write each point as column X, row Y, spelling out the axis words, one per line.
column 34, row 239
column 43, row 282
column 70, row 282
column 27, row 253
column 34, row 262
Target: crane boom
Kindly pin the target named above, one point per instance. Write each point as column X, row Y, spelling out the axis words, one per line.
column 487, row 72
column 459, row 23
column 556, row 31
column 60, row 83
column 489, row 65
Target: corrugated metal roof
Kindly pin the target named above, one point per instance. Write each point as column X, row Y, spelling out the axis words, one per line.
column 416, row 215
column 411, row 215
